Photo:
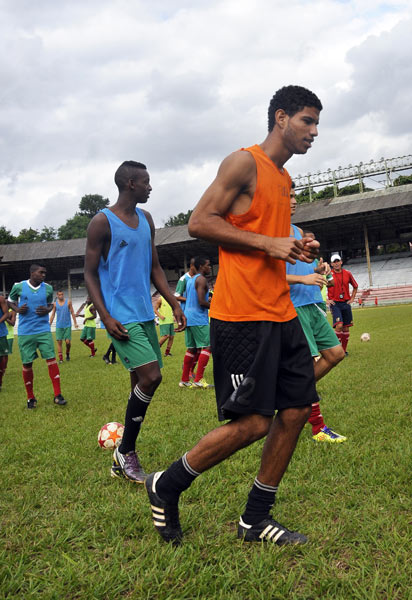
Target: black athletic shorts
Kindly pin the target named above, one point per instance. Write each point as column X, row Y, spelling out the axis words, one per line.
column 260, row 367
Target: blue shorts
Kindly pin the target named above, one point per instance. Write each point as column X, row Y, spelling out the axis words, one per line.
column 342, row 313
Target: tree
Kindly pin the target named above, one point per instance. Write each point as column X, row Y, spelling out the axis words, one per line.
column 6, row 236
column 74, row 228
column 91, row 204
column 402, row 180
column 180, row 219
column 27, row 235
column 47, row 234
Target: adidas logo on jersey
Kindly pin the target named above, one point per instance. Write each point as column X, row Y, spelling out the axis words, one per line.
column 123, row 244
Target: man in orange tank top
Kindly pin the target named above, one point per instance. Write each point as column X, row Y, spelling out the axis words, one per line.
column 262, row 363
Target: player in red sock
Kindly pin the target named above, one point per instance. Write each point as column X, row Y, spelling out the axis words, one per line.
column 64, row 311
column 4, row 347
column 197, row 334
column 340, row 300
column 306, row 281
column 32, row 299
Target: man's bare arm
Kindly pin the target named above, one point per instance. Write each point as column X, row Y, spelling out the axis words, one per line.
column 98, row 233
column 235, row 181
column 4, row 307
column 70, row 305
column 52, row 313
column 202, row 289
column 310, row 279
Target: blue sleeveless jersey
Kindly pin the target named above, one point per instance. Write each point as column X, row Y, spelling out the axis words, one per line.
column 3, row 327
column 30, row 323
column 63, row 315
column 195, row 314
column 125, row 275
column 301, row 294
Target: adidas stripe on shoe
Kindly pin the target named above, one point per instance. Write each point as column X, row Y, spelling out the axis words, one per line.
column 127, row 466
column 269, row 530
column 165, row 516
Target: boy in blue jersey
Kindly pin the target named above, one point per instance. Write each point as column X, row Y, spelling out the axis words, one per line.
column 4, row 346
column 63, row 309
column 197, row 334
column 306, row 280
column 121, row 260
column 33, row 301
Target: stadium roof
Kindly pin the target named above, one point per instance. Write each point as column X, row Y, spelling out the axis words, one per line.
column 337, row 222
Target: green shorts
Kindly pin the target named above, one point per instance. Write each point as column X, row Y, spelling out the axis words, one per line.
column 197, row 336
column 64, row 333
column 4, row 347
column 88, row 333
column 168, row 329
column 141, row 348
column 28, row 345
column 10, row 343
column 319, row 333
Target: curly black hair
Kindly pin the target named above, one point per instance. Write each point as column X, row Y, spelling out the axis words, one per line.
column 126, row 171
column 292, row 99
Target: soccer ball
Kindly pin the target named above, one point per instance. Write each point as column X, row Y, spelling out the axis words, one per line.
column 365, row 337
column 110, row 435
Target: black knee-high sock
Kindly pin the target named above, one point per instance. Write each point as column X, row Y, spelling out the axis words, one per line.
column 135, row 413
column 259, row 504
column 175, row 480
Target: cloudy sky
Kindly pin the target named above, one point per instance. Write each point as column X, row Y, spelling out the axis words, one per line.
column 179, row 84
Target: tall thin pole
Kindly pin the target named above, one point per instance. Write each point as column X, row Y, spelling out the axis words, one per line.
column 368, row 256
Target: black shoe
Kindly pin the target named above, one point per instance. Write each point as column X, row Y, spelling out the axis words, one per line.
column 32, row 403
column 59, row 400
column 106, row 360
column 127, row 466
column 165, row 516
column 269, row 530
column 67, row 357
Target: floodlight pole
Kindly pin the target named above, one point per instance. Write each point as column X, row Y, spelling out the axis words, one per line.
column 368, row 256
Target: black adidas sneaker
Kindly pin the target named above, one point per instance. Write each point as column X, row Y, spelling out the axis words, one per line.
column 269, row 530
column 165, row 516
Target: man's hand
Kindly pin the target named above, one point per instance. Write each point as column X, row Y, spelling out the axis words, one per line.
column 43, row 310
column 179, row 315
column 314, row 279
column 162, row 317
column 310, row 248
column 288, row 249
column 116, row 329
column 22, row 309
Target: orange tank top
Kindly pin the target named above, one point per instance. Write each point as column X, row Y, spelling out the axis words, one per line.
column 251, row 286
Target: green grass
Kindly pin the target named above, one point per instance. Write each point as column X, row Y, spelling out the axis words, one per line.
column 70, row 531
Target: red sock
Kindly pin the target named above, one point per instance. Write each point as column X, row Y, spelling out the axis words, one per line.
column 54, row 375
column 202, row 364
column 60, row 355
column 196, row 358
column 187, row 365
column 28, row 377
column 345, row 339
column 91, row 346
column 316, row 419
column 86, row 343
column 3, row 367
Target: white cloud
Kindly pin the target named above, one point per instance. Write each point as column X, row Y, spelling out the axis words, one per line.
column 180, row 84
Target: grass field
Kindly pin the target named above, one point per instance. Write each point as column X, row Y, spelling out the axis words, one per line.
column 70, row 531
